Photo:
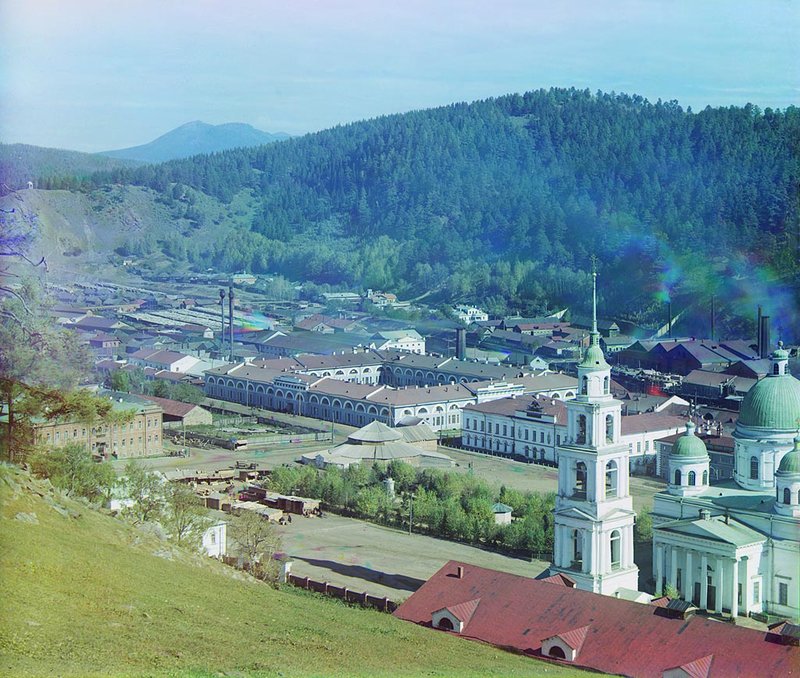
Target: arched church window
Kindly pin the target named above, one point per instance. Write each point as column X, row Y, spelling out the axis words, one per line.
column 446, row 624
column 609, row 428
column 581, row 429
column 577, row 549
column 580, row 480
column 615, row 549
column 776, row 369
column 585, row 386
column 605, row 385
column 611, row 479
column 753, row 468
column 787, row 496
column 692, row 478
column 678, row 477
column 705, row 477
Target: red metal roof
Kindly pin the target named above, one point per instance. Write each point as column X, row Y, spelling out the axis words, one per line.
column 464, row 611
column 700, row 668
column 622, row 637
column 575, row 637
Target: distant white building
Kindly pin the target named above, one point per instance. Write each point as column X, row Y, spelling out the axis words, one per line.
column 401, row 340
column 470, row 314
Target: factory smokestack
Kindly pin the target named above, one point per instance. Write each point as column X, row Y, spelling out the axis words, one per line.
column 758, row 332
column 230, row 315
column 765, row 339
column 712, row 318
column 221, row 323
column 461, row 343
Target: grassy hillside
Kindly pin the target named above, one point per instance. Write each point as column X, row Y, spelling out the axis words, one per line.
column 83, row 594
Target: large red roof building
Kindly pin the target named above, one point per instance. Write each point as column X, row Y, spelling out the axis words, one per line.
column 553, row 621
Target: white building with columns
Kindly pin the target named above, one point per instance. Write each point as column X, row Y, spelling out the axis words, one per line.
column 594, row 514
column 734, row 548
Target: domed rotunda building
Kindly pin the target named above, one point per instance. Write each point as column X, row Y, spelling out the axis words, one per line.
column 769, row 419
column 734, row 548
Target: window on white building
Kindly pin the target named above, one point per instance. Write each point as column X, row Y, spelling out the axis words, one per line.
column 783, row 593
column 756, row 592
column 753, row 468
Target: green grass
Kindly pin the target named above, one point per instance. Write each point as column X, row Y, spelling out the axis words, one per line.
column 85, row 594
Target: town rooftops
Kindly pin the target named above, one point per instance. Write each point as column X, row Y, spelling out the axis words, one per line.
column 714, row 528
column 650, row 421
column 172, row 408
column 621, row 637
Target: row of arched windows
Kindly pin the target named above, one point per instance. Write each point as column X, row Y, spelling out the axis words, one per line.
column 691, row 478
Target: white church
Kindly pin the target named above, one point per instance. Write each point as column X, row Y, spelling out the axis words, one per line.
column 594, row 514
column 732, row 549
column 735, row 547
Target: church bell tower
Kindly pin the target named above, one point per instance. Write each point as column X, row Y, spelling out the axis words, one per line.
column 594, row 514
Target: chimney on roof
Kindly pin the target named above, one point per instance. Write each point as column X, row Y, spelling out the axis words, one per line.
column 460, row 572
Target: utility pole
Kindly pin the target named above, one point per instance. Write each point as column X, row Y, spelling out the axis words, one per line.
column 411, row 511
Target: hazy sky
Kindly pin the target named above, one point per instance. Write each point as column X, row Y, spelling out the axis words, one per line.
column 102, row 74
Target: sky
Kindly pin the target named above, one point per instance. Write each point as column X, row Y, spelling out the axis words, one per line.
column 95, row 75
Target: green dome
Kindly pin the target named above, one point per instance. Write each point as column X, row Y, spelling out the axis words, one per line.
column 774, row 402
column 594, row 358
column 689, row 445
column 791, row 461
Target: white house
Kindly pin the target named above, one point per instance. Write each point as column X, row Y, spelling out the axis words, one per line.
column 470, row 314
column 215, row 540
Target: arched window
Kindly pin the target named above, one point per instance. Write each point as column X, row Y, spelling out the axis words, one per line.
column 577, row 549
column 692, row 478
column 585, row 386
column 581, row 429
column 787, row 496
column 753, row 468
column 446, row 624
column 557, row 653
column 611, row 479
column 705, row 477
column 609, row 428
column 580, row 480
column 615, row 549
column 776, row 369
column 605, row 385
column 678, row 477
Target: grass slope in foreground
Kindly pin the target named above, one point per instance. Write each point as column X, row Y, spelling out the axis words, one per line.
column 84, row 594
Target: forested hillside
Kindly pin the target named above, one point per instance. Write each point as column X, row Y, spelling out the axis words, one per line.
column 506, row 200
column 48, row 167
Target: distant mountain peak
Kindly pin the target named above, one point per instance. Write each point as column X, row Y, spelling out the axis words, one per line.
column 195, row 138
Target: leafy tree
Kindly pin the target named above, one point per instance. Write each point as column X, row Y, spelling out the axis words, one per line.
column 119, row 380
column 185, row 517
column 72, row 469
column 644, row 525
column 257, row 540
column 403, row 474
column 146, row 489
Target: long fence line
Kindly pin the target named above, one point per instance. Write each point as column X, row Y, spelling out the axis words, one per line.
column 343, row 593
